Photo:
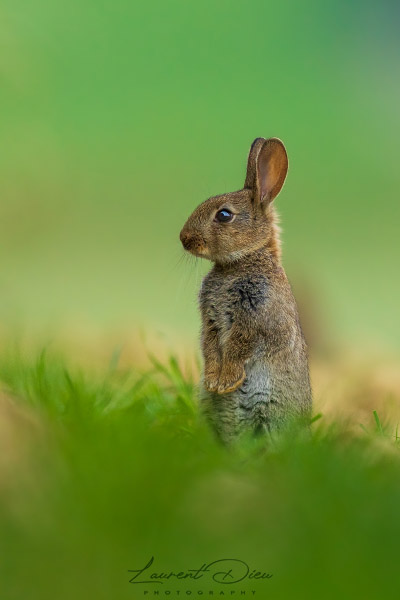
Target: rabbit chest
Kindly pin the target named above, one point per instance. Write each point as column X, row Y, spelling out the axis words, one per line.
column 228, row 299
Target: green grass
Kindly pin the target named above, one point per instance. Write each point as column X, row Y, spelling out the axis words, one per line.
column 99, row 471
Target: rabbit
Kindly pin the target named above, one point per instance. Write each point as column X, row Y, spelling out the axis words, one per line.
column 256, row 373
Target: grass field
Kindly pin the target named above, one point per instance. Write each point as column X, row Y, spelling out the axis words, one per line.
column 103, row 468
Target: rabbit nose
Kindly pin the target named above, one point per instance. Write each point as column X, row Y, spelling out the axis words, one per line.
column 186, row 239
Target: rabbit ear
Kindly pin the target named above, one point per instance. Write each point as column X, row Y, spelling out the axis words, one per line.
column 271, row 168
column 256, row 146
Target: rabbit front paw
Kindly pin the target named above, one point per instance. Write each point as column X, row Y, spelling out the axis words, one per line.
column 230, row 379
column 211, row 378
column 211, row 383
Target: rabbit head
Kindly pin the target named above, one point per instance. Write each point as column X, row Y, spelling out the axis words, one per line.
column 225, row 228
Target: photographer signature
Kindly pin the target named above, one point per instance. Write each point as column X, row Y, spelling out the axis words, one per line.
column 224, row 570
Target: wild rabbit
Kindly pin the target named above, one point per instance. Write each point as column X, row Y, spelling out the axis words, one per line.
column 255, row 357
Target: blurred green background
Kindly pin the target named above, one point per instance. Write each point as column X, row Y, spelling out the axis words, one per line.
column 118, row 118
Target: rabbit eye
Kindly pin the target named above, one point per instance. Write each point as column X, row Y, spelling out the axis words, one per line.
column 224, row 216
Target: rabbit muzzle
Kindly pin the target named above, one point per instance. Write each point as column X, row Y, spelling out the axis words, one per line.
column 193, row 243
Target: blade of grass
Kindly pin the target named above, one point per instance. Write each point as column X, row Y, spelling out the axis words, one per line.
column 378, row 423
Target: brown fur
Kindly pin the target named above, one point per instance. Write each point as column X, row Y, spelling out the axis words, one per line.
column 255, row 356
